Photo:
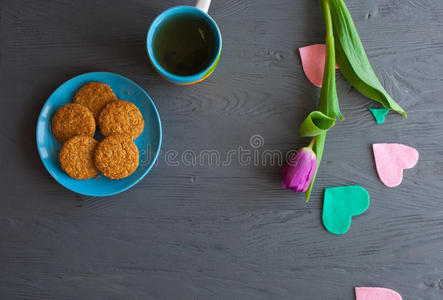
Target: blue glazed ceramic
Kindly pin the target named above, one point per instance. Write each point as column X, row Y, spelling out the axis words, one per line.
column 148, row 142
column 170, row 13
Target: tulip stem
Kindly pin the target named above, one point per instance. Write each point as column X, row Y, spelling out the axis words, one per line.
column 318, row 149
column 311, row 144
column 328, row 103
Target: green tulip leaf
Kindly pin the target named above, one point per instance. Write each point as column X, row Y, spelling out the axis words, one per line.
column 352, row 59
column 318, row 148
column 328, row 102
column 316, row 123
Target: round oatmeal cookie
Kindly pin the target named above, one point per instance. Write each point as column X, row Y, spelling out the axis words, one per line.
column 95, row 96
column 76, row 157
column 121, row 118
column 117, row 157
column 71, row 120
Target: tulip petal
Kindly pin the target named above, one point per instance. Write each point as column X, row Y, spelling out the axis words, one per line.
column 297, row 175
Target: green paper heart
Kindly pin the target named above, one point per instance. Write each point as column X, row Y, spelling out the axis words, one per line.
column 341, row 204
column 379, row 114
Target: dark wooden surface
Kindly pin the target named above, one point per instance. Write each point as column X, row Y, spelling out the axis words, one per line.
column 226, row 232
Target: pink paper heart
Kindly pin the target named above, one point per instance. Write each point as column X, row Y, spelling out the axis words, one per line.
column 376, row 293
column 313, row 60
column 391, row 160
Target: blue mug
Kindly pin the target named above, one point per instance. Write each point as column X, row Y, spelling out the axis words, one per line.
column 199, row 11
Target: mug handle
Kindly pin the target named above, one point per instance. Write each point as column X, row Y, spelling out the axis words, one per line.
column 203, row 5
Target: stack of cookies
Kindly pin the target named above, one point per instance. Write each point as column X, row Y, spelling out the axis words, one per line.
column 120, row 122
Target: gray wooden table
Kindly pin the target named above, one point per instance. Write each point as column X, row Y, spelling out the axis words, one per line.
column 212, row 231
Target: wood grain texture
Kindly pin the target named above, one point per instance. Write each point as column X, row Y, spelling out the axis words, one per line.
column 223, row 232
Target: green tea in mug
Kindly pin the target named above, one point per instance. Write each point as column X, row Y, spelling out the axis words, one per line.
column 184, row 45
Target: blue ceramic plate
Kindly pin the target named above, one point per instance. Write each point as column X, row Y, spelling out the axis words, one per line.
column 148, row 142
